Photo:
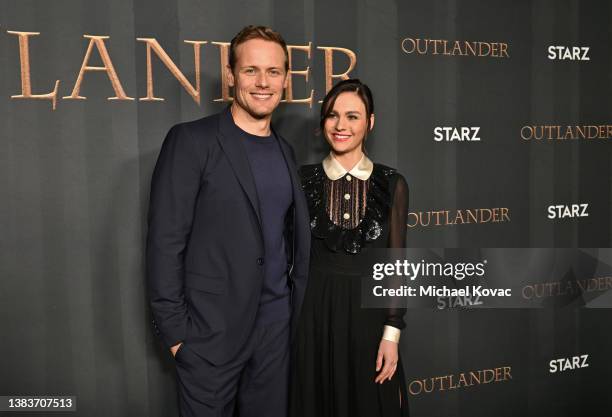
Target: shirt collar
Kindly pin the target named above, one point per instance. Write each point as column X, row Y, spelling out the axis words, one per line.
column 334, row 170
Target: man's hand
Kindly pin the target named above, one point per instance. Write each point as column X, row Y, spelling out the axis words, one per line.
column 174, row 348
column 387, row 354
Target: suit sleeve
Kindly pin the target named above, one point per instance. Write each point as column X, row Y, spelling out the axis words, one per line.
column 174, row 189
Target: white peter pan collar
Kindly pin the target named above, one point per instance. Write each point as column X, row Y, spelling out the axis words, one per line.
column 334, row 169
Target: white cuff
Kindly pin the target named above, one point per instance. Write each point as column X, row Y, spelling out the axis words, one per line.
column 391, row 334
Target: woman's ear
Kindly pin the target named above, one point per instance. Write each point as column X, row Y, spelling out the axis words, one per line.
column 372, row 121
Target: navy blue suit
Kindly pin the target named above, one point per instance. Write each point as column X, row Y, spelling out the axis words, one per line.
column 205, row 250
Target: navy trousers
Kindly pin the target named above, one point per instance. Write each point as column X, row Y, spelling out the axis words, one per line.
column 254, row 384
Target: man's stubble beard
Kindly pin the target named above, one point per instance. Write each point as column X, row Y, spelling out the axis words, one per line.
column 251, row 112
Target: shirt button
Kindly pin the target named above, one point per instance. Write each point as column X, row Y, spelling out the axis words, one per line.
column 260, row 261
column 348, row 178
column 347, row 196
column 346, row 216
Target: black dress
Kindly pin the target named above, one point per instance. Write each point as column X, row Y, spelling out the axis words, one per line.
column 334, row 356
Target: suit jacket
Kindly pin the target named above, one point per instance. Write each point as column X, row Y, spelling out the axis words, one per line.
column 205, row 251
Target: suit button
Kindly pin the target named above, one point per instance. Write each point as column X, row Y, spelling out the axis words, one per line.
column 260, row 261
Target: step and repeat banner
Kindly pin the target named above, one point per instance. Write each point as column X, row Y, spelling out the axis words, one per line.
column 497, row 113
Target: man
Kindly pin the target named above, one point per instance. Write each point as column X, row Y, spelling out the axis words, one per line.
column 228, row 243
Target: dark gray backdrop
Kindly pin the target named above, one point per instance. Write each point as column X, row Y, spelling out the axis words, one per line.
column 74, row 183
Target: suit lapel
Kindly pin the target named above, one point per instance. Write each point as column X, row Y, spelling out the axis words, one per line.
column 301, row 230
column 230, row 140
column 295, row 182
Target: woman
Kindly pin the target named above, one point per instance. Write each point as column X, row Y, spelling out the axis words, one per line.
column 346, row 360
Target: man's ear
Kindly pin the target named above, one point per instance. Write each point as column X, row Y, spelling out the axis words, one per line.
column 372, row 121
column 229, row 74
column 286, row 83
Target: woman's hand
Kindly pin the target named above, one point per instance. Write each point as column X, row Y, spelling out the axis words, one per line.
column 387, row 356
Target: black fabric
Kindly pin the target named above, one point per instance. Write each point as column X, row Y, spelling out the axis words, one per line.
column 369, row 229
column 398, row 219
column 334, row 363
column 275, row 196
column 253, row 384
column 205, row 247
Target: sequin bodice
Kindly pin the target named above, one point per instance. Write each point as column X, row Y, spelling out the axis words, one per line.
column 348, row 213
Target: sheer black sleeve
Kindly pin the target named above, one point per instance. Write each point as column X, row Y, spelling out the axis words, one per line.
column 399, row 213
column 397, row 237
